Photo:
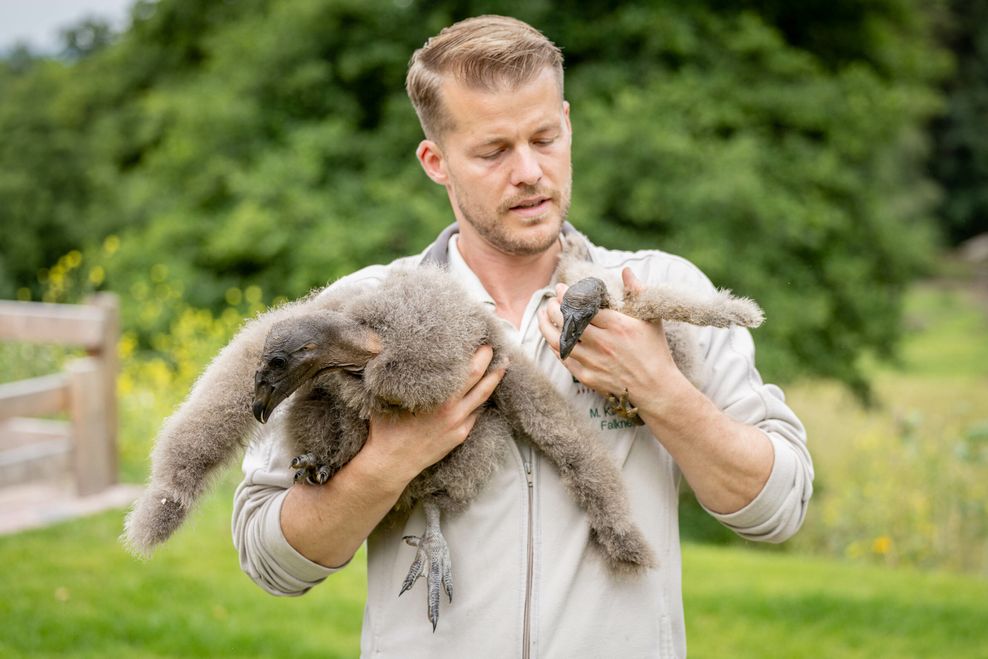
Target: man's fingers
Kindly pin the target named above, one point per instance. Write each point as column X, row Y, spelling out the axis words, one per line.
column 549, row 329
column 483, row 389
column 552, row 309
column 480, row 384
column 478, row 366
column 604, row 319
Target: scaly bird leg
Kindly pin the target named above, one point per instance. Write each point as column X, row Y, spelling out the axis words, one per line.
column 431, row 548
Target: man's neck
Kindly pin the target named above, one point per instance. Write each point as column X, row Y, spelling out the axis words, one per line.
column 510, row 279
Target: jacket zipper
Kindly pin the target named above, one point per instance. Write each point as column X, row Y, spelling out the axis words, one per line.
column 527, row 632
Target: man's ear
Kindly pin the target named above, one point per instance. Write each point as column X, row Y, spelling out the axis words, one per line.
column 569, row 126
column 432, row 160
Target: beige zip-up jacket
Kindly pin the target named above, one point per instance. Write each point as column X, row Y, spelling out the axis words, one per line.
column 527, row 582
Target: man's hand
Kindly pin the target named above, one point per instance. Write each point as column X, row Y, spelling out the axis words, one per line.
column 327, row 523
column 405, row 444
column 616, row 352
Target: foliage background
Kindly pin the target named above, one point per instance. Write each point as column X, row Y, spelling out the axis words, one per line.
column 269, row 144
column 217, row 157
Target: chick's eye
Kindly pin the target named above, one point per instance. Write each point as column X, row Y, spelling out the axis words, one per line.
column 277, row 362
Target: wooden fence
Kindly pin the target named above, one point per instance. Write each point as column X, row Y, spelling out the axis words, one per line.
column 86, row 445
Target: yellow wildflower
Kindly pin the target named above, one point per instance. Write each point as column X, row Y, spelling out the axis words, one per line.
column 882, row 545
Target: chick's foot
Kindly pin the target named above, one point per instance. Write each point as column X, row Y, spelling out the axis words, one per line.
column 431, row 559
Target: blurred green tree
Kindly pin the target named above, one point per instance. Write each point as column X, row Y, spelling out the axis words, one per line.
column 960, row 159
column 270, row 144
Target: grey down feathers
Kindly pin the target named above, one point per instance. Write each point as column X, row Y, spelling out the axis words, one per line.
column 403, row 344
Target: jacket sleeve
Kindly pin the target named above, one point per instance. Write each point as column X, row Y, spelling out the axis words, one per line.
column 777, row 512
column 732, row 382
column 265, row 554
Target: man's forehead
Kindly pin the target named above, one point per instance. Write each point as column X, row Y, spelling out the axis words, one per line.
column 484, row 114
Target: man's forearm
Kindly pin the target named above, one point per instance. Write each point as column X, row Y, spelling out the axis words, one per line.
column 327, row 523
column 725, row 462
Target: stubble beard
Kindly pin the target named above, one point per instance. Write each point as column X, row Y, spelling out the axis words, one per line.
column 500, row 236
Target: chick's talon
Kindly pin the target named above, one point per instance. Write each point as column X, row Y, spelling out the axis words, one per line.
column 309, row 470
column 304, row 461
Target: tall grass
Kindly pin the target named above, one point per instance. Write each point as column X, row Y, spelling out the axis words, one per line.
column 906, row 483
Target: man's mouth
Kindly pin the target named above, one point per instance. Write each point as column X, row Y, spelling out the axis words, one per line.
column 532, row 206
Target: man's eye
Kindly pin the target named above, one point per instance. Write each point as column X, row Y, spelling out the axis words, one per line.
column 493, row 155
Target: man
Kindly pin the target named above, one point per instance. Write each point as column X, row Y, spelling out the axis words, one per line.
column 489, row 94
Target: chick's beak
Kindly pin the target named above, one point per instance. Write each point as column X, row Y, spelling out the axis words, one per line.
column 262, row 398
column 580, row 304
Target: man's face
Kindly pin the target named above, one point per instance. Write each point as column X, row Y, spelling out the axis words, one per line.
column 506, row 163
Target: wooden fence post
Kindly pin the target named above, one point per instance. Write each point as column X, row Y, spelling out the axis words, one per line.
column 93, row 458
column 110, row 368
column 87, row 390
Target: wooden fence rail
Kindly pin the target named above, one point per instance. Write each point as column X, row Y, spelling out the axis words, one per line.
column 86, row 391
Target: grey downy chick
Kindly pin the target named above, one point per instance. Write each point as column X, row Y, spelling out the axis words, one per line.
column 407, row 346
column 403, row 345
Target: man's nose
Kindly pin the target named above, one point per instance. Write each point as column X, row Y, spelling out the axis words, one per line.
column 526, row 168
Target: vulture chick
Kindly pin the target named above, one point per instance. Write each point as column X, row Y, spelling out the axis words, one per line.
column 405, row 345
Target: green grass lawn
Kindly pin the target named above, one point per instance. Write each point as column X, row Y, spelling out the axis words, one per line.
column 906, row 482
column 903, row 483
column 71, row 590
column 754, row 603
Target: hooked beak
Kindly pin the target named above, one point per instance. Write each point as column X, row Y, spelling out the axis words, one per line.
column 266, row 397
column 262, row 397
column 580, row 304
column 299, row 348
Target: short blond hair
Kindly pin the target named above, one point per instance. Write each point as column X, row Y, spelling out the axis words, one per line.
column 484, row 52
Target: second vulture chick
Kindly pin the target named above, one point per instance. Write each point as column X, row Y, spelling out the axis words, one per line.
column 594, row 289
